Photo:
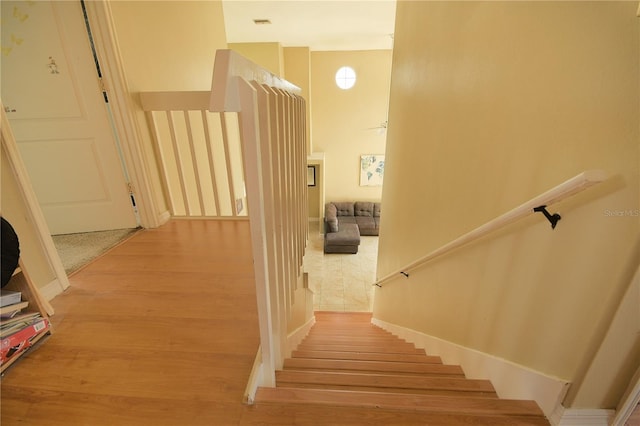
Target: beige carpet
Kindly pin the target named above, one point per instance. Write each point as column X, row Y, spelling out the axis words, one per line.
column 76, row 250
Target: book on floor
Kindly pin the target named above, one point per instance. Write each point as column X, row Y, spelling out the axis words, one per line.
column 9, row 297
column 22, row 339
column 11, row 311
column 17, row 323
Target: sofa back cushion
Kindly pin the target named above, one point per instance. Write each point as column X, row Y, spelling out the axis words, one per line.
column 376, row 209
column 344, row 208
column 363, row 209
column 330, row 216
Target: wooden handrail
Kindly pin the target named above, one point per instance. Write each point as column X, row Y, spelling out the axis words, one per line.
column 572, row 186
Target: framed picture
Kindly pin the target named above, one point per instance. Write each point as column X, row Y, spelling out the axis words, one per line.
column 311, row 176
column 371, row 170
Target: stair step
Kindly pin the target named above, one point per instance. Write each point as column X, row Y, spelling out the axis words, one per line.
column 343, row 317
column 337, row 327
column 430, row 403
column 441, row 392
column 384, row 349
column 353, row 333
column 308, row 414
column 357, row 340
column 367, row 356
column 383, row 381
column 372, row 366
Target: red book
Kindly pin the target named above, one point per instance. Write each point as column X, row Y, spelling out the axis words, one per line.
column 21, row 340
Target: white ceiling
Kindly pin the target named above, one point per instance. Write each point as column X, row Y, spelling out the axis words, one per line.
column 318, row 24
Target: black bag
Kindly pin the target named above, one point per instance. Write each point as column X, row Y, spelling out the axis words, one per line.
column 10, row 248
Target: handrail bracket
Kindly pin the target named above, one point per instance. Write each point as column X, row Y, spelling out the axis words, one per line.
column 553, row 218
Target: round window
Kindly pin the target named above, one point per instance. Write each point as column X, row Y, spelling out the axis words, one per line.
column 345, row 78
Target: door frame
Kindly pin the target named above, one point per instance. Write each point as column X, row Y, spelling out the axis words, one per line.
column 61, row 281
column 126, row 126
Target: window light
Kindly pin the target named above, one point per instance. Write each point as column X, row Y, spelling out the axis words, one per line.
column 345, row 78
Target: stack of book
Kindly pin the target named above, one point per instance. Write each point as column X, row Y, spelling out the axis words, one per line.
column 18, row 329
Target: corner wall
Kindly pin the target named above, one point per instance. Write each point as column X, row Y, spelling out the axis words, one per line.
column 493, row 103
column 267, row 55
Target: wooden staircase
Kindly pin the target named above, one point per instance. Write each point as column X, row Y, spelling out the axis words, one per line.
column 348, row 371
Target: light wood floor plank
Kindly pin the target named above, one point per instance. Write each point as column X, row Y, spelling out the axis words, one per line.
column 161, row 330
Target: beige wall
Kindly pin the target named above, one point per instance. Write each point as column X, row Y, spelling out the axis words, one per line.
column 493, row 103
column 297, row 70
column 166, row 46
column 342, row 118
column 267, row 55
column 169, row 45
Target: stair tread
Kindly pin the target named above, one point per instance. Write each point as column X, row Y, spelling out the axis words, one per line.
column 367, row 356
column 432, row 403
column 355, row 341
column 358, row 365
column 382, row 380
column 359, row 348
column 279, row 414
column 413, row 391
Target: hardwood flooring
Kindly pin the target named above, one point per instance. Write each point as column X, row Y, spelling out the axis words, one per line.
column 162, row 330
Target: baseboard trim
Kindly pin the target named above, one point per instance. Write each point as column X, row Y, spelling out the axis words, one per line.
column 255, row 379
column 581, row 417
column 51, row 289
column 511, row 381
column 295, row 337
column 164, row 217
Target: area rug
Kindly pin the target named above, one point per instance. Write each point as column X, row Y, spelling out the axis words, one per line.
column 77, row 250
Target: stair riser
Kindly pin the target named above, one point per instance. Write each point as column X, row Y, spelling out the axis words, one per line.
column 359, row 348
column 383, row 381
column 367, row 356
column 438, row 392
column 373, row 366
column 429, row 403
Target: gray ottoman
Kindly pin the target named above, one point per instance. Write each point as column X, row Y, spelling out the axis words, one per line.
column 346, row 240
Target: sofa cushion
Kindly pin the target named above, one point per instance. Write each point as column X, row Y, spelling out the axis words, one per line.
column 346, row 219
column 330, row 215
column 344, row 208
column 363, row 209
column 376, row 209
column 367, row 225
column 348, row 236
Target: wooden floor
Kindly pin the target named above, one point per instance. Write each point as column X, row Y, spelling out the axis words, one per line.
column 162, row 330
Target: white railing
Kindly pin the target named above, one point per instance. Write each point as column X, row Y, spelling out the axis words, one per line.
column 572, row 186
column 272, row 130
column 199, row 154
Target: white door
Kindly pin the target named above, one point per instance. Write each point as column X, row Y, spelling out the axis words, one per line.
column 54, row 101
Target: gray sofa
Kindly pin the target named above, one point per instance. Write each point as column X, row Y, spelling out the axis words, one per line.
column 345, row 222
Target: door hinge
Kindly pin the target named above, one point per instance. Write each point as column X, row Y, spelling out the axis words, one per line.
column 132, row 196
column 103, row 89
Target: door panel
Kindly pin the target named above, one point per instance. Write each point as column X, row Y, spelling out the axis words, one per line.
column 57, row 112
